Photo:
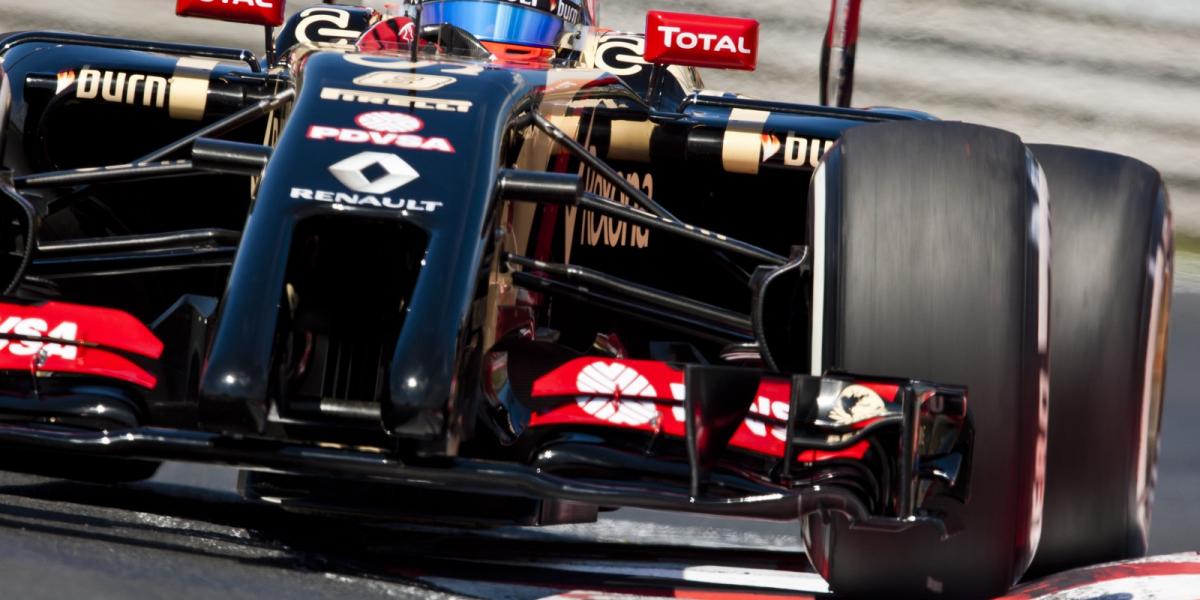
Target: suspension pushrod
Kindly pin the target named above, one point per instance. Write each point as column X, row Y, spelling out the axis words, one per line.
column 671, row 320
column 154, row 241
column 110, row 174
column 617, row 210
column 641, row 293
column 225, row 124
column 232, row 121
column 600, row 167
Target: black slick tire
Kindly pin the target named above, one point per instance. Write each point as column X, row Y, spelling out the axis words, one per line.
column 1109, row 312
column 931, row 255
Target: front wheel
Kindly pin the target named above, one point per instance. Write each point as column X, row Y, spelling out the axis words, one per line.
column 931, row 246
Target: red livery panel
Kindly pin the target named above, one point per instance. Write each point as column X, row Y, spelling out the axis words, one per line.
column 56, row 337
column 648, row 396
column 701, row 41
column 255, row 12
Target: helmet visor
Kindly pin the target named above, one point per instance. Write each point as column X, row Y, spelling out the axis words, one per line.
column 496, row 22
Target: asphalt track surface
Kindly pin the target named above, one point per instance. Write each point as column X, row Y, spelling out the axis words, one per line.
column 187, row 534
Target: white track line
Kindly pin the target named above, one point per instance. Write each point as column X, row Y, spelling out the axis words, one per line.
column 766, row 579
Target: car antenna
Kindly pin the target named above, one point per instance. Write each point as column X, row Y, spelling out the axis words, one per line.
column 270, row 39
column 416, row 42
column 837, row 53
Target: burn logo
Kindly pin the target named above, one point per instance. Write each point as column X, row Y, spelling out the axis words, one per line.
column 122, row 88
column 797, row 150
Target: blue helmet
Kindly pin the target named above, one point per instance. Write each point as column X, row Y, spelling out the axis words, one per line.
column 521, row 23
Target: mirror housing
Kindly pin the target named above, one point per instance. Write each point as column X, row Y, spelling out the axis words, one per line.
column 701, row 41
column 268, row 13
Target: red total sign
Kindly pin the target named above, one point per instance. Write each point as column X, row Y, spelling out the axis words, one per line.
column 701, row 41
column 256, row 12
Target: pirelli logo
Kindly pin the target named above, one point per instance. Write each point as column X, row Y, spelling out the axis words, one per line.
column 382, row 99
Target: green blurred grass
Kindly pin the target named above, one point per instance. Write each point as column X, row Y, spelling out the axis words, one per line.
column 1187, row 262
column 1187, row 243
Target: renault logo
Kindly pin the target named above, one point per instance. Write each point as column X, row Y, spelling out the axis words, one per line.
column 352, row 172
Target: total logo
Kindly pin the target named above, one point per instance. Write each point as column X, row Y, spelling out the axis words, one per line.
column 38, row 328
column 384, row 128
column 676, row 37
column 258, row 12
column 701, row 40
column 250, row 3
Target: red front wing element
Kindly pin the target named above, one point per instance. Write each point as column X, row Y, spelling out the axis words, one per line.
column 255, row 12
column 701, row 41
column 56, row 337
column 648, row 396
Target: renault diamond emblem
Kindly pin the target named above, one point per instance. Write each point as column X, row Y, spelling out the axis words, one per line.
column 352, row 172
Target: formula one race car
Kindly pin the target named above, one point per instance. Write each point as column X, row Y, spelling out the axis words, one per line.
column 485, row 262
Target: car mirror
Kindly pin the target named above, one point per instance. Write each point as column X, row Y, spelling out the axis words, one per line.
column 701, row 41
column 268, row 13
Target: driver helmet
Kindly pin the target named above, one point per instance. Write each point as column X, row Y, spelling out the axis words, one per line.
column 515, row 30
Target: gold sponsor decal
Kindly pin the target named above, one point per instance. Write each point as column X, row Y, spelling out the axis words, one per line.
column 184, row 95
column 602, row 230
column 742, row 145
column 189, row 88
column 794, row 150
column 122, row 88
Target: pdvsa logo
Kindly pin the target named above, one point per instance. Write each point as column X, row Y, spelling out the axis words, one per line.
column 38, row 328
column 384, row 128
column 389, row 122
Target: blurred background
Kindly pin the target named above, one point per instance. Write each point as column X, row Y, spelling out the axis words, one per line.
column 1117, row 75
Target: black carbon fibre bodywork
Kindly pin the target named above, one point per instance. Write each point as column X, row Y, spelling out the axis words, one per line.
column 340, row 310
column 433, row 277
